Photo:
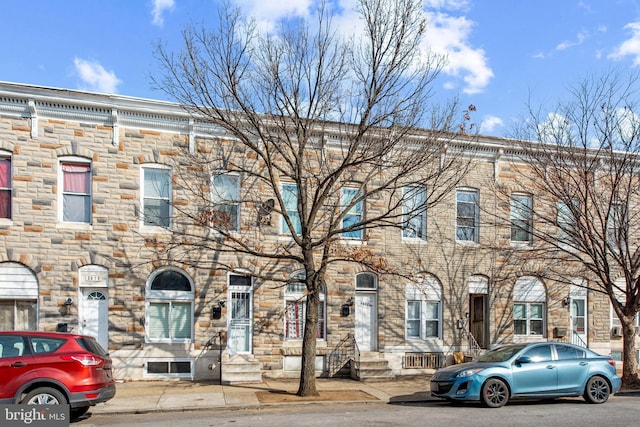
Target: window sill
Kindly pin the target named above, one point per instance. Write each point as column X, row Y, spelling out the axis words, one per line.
column 74, row 226
column 521, row 245
column 150, row 229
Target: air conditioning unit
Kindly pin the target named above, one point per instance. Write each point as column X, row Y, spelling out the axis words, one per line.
column 616, row 331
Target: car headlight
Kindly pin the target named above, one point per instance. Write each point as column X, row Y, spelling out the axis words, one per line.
column 468, row 372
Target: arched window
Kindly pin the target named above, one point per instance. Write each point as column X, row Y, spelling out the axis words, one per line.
column 296, row 305
column 529, row 296
column 424, row 308
column 169, row 298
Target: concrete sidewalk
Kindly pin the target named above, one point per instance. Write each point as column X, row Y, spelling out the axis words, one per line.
column 149, row 396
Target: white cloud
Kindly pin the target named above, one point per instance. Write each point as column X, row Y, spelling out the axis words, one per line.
column 467, row 66
column 631, row 46
column 580, row 38
column 94, row 77
column 449, row 35
column 490, row 123
column 159, row 7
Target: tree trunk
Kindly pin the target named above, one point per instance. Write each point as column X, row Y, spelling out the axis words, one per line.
column 629, row 362
column 308, row 373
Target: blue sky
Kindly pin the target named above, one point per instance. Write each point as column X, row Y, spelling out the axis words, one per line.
column 500, row 51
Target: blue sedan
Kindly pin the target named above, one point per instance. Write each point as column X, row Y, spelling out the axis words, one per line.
column 538, row 370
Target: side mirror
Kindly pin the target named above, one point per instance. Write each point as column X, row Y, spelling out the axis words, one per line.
column 523, row 359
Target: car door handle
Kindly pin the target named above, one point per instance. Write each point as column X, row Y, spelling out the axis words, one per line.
column 551, row 366
column 584, row 363
column 18, row 365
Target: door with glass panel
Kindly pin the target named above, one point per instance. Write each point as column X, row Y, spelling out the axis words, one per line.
column 240, row 335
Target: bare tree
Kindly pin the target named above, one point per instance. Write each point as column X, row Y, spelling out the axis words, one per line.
column 316, row 126
column 582, row 168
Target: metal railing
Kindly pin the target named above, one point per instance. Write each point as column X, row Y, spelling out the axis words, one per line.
column 345, row 351
column 474, row 349
column 575, row 339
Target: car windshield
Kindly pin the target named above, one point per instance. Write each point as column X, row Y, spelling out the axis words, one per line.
column 499, row 354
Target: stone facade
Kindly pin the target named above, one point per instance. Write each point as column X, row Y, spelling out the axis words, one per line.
column 71, row 267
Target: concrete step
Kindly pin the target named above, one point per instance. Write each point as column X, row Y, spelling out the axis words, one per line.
column 240, row 369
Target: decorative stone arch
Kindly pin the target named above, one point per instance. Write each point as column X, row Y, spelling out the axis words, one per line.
column 19, row 291
column 73, row 150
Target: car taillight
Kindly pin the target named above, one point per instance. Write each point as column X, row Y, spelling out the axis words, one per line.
column 612, row 362
column 85, row 359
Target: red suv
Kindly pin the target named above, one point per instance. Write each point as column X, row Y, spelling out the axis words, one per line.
column 47, row 368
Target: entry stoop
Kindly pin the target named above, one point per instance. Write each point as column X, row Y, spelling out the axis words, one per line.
column 240, row 369
column 371, row 366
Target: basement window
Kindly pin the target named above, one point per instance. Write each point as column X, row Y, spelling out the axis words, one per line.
column 179, row 368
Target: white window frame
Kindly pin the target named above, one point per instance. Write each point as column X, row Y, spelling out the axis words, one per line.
column 567, row 223
column 293, row 214
column 355, row 211
column 460, row 234
column 148, row 374
column 425, row 292
column 74, row 160
column 155, row 166
column 414, row 210
column 530, row 291
column 153, row 296
column 295, row 292
column 521, row 218
column 223, row 200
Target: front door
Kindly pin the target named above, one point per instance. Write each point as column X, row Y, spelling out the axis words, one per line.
column 579, row 320
column 94, row 312
column 476, row 320
column 366, row 325
column 240, row 335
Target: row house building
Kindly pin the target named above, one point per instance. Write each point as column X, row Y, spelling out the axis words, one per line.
column 86, row 184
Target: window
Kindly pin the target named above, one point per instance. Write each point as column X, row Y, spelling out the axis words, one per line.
column 539, row 354
column 5, row 186
column 226, row 198
column 296, row 305
column 18, row 315
column 353, row 214
column 467, row 215
column 169, row 368
column 566, row 352
column 423, row 309
column 617, row 226
column 366, row 282
column 290, row 198
column 529, row 297
column 169, row 307
column 156, row 195
column 521, row 218
column 567, row 222
column 76, row 191
column 414, row 213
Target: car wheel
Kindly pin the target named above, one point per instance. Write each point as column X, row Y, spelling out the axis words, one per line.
column 597, row 390
column 495, row 393
column 78, row 412
column 44, row 396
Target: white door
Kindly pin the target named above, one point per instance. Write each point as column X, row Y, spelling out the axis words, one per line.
column 94, row 315
column 579, row 320
column 366, row 325
column 240, row 334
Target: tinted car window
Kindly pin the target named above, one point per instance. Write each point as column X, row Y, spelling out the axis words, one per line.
column 91, row 345
column 566, row 352
column 539, row 354
column 11, row 346
column 499, row 354
column 45, row 345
